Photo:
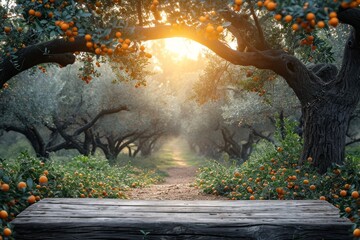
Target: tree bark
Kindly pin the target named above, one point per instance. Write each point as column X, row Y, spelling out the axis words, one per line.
column 324, row 133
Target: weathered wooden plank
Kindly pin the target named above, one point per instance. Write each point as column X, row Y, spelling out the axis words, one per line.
column 259, row 207
column 212, row 203
column 185, row 230
column 124, row 219
column 188, row 211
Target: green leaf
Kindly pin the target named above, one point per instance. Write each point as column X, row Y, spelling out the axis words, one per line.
column 30, row 183
column 85, row 14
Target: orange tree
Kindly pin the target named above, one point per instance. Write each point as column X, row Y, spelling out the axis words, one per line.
column 51, row 31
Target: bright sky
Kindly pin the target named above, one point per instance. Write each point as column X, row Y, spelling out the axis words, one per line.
column 184, row 48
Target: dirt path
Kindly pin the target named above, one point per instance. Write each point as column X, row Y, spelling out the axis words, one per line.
column 177, row 185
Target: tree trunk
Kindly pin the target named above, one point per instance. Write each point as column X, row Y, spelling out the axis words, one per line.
column 324, row 134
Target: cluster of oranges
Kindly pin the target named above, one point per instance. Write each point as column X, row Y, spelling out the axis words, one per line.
column 69, row 29
column 237, row 5
column 21, row 188
column 155, row 11
column 284, row 179
column 34, row 13
column 309, row 41
column 211, row 31
column 268, row 4
column 309, row 23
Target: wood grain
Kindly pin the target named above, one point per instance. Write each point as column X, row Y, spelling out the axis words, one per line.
column 127, row 219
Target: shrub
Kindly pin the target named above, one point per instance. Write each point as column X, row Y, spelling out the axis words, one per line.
column 272, row 172
column 25, row 180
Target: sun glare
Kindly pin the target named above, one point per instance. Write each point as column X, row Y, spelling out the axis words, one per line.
column 184, row 48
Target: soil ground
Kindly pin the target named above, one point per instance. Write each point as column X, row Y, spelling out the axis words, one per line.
column 178, row 183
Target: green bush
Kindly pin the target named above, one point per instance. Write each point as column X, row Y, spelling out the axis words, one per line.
column 77, row 177
column 273, row 173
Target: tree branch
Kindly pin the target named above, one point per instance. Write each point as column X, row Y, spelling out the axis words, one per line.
column 99, row 115
column 263, row 43
column 47, row 52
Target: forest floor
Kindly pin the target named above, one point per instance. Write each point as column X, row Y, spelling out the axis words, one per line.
column 181, row 172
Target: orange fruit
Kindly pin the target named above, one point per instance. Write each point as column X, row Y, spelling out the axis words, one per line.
column 238, row 2
column 278, row 17
column 334, row 22
column 280, row 190
column 31, row 199
column 209, row 29
column 31, row 12
column 321, row 24
column 322, row 198
column 356, row 232
column 43, row 179
column 89, row 44
column 271, row 6
column 306, row 181
column 343, row 193
column 5, row 187
column 252, row 197
column 118, row 34
column 50, row 14
column 98, row 51
column 355, row 194
column 220, row 29
column 312, row 187
column 295, row 27
column 310, row 38
column 332, row 15
column 347, row 209
column 202, row 19
column 125, row 46
column 3, row 214
column 64, row 26
column 310, row 16
column 7, row 232
column 260, row 4
column 68, row 33
column 344, row 4
column 21, row 185
column 38, row 14
column 7, row 29
column 142, row 48
column 288, row 18
column 87, row 37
